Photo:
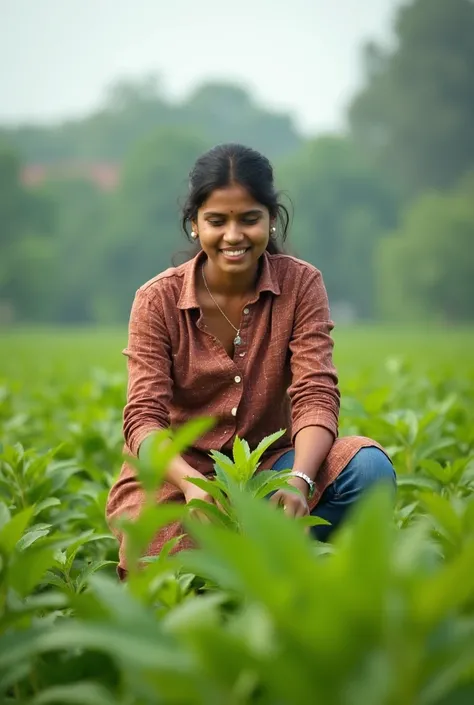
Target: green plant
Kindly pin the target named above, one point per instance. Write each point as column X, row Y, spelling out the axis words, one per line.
column 257, row 614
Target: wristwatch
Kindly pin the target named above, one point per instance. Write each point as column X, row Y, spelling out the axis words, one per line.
column 308, row 480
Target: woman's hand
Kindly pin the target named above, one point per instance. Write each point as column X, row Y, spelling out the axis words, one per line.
column 192, row 492
column 294, row 505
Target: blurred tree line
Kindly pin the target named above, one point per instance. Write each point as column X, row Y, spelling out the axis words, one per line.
column 386, row 210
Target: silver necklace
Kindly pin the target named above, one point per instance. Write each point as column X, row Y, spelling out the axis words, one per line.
column 237, row 339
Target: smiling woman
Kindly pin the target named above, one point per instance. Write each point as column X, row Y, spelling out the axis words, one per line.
column 233, row 172
column 234, row 210
column 242, row 332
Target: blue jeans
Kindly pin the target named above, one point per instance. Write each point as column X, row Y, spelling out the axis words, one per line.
column 367, row 467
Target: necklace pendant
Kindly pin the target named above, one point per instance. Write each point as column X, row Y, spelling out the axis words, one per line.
column 237, row 340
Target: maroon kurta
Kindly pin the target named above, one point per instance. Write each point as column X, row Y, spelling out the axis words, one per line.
column 282, row 376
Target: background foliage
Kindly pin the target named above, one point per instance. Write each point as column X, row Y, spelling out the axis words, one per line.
column 89, row 209
column 259, row 614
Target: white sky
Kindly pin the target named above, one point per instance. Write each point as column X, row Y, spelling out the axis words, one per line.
column 303, row 56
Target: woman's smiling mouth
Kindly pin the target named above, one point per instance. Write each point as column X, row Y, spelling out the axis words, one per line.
column 235, row 254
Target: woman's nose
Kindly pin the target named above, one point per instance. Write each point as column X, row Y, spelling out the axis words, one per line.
column 233, row 234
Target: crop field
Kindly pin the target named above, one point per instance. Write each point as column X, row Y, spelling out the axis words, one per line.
column 258, row 613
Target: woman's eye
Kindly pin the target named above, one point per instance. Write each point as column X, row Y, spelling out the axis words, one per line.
column 216, row 223
column 251, row 221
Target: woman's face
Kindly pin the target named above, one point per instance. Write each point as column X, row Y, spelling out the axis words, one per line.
column 233, row 229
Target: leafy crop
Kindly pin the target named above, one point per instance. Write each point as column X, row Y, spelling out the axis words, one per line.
column 259, row 612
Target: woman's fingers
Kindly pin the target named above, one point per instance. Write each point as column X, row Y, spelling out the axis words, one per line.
column 303, row 510
column 292, row 505
column 276, row 498
column 200, row 516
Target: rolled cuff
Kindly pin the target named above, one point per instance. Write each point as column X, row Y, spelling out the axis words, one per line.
column 315, row 418
column 139, row 436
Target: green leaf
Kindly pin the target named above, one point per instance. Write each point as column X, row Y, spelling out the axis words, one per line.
column 449, row 589
column 194, row 614
column 241, row 454
column 221, row 477
column 444, row 515
column 156, row 453
column 16, row 674
column 12, row 531
column 122, row 607
column 75, row 694
column 160, row 447
column 434, row 446
column 407, row 510
column 190, row 432
column 88, row 570
column 312, row 521
column 225, row 464
column 212, row 488
column 140, row 532
column 60, row 474
column 51, row 578
column 87, row 537
column 258, row 485
column 433, row 468
column 5, row 515
column 168, row 547
column 264, row 444
column 134, row 646
column 28, row 568
column 468, row 518
column 275, row 484
column 46, row 504
column 211, row 511
column 412, row 423
column 416, row 482
column 50, row 600
column 30, row 537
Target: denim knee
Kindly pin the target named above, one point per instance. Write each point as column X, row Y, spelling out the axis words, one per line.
column 369, row 466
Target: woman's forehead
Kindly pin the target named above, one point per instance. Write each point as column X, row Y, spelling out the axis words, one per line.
column 231, row 199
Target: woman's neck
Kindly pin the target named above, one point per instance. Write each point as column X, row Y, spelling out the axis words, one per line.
column 229, row 284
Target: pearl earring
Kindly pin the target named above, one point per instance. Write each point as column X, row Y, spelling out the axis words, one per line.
column 273, row 230
column 194, row 235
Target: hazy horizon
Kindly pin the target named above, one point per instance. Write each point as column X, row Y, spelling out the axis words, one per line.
column 57, row 58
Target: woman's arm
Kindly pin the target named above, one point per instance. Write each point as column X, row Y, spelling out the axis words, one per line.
column 149, row 388
column 177, row 471
column 314, row 391
column 312, row 444
column 150, row 384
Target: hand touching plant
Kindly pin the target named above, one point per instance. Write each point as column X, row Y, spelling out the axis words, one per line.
column 294, row 505
column 240, row 474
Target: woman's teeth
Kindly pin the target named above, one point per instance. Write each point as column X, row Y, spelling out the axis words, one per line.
column 234, row 253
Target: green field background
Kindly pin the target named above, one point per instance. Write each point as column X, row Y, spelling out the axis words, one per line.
column 36, row 355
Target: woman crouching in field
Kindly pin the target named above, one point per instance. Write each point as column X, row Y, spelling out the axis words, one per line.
column 241, row 333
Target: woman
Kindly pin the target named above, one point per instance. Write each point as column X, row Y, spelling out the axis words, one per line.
column 241, row 332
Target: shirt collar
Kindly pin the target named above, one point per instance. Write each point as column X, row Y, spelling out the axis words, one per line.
column 188, row 298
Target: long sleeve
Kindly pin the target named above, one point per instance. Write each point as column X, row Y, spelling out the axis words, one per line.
column 313, row 392
column 149, row 389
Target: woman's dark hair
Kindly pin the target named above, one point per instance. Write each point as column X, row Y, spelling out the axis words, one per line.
column 233, row 163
